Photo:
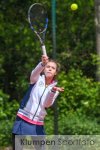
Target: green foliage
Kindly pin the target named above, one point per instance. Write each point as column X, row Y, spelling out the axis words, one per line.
column 76, row 42
column 8, row 111
column 78, row 107
column 76, row 123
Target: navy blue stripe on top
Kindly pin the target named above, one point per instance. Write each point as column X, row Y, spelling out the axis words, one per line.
column 26, row 96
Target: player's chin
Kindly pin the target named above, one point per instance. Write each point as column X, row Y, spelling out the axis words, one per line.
column 48, row 75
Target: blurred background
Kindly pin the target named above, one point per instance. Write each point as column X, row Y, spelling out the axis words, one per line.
column 73, row 38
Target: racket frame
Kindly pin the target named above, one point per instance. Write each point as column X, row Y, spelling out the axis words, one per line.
column 39, row 33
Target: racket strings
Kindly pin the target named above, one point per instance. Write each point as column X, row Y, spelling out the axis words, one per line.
column 38, row 18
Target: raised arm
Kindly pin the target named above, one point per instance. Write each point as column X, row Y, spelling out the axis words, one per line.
column 38, row 69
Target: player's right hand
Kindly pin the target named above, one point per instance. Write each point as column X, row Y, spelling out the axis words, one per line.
column 44, row 59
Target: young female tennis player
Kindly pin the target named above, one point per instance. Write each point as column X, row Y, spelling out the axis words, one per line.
column 40, row 95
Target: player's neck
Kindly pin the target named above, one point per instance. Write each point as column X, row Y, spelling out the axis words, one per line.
column 48, row 81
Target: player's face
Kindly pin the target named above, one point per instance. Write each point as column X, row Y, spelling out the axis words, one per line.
column 50, row 70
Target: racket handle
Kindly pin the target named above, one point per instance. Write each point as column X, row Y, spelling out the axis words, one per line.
column 44, row 50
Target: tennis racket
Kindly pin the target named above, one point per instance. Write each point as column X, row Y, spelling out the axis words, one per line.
column 38, row 20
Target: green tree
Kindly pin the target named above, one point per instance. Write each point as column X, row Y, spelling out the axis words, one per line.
column 8, row 111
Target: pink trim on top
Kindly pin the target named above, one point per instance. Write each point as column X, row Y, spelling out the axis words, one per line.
column 30, row 121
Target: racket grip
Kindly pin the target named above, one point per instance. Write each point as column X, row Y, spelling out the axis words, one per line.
column 44, row 50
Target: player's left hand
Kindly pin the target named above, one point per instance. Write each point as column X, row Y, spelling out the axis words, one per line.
column 60, row 89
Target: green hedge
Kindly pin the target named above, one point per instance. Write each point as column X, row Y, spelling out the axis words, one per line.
column 78, row 107
column 7, row 115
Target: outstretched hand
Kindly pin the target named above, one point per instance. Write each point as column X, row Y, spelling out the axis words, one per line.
column 60, row 89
